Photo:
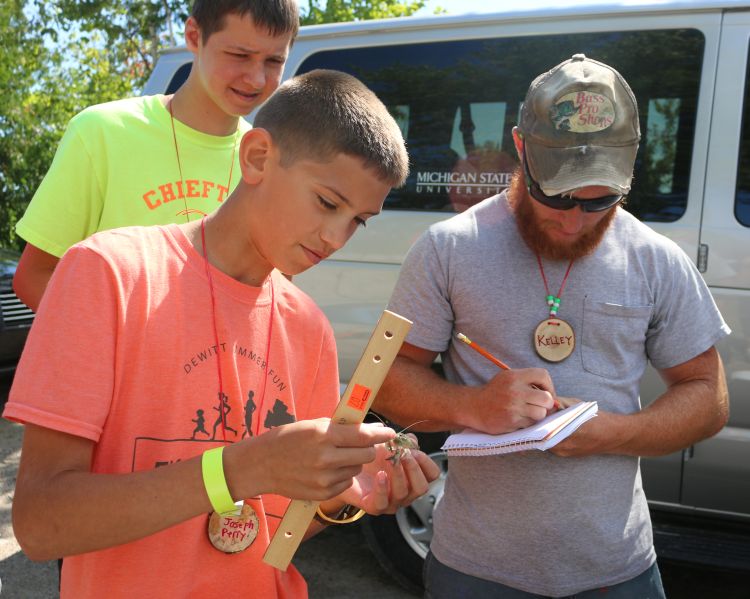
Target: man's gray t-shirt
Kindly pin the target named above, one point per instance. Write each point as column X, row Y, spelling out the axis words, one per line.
column 534, row 521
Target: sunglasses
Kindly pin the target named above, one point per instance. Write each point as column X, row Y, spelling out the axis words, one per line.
column 564, row 202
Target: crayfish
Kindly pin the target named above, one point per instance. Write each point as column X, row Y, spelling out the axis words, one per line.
column 399, row 446
column 401, row 443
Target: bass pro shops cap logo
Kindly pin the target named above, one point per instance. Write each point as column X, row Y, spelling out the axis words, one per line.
column 582, row 112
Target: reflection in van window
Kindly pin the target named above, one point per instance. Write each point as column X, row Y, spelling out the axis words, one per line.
column 478, row 125
column 400, row 114
column 742, row 197
column 661, row 141
column 457, row 103
column 179, row 78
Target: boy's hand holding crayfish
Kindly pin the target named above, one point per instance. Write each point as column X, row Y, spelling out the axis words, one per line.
column 399, row 474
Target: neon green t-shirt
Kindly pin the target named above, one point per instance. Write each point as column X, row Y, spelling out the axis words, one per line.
column 116, row 166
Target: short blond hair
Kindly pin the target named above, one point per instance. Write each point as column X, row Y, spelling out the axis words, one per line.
column 323, row 113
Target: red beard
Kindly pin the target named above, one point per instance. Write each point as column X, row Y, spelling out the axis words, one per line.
column 533, row 233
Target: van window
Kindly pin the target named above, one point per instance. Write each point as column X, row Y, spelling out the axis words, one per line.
column 742, row 197
column 458, row 102
column 179, row 78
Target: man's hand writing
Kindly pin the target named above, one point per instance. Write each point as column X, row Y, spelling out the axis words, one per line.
column 513, row 399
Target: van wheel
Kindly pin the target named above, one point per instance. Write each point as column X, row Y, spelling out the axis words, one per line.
column 400, row 542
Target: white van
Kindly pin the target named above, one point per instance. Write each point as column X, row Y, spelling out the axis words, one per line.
column 455, row 84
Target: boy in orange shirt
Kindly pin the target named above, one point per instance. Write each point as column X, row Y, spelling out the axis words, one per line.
column 157, row 348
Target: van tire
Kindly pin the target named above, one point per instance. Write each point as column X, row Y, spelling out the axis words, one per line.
column 400, row 542
column 388, row 546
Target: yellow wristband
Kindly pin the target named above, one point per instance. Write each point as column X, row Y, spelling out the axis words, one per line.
column 214, row 481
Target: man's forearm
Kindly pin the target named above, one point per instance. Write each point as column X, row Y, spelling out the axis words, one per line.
column 685, row 414
column 412, row 392
column 694, row 406
column 512, row 399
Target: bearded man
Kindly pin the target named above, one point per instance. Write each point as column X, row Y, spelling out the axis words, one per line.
column 557, row 280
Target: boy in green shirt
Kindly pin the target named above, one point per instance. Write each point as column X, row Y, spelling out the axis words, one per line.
column 159, row 159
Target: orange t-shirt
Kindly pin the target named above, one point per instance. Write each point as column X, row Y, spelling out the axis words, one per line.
column 123, row 353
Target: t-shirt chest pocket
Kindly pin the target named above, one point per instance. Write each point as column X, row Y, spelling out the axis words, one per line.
column 613, row 337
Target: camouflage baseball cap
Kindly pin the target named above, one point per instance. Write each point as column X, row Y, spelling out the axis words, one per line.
column 580, row 127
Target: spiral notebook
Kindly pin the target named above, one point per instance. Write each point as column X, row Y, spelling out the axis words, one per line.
column 544, row 434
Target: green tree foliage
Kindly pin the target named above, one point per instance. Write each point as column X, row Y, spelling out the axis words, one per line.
column 133, row 31
column 20, row 63
column 336, row 11
column 46, row 76
column 60, row 56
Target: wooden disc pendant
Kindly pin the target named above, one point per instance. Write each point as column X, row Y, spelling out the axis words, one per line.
column 232, row 533
column 554, row 339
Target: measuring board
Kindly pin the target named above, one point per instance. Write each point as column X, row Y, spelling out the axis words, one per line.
column 369, row 375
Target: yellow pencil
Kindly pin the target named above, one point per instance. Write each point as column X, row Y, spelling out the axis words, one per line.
column 480, row 350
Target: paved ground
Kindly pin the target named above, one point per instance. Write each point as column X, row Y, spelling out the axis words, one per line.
column 20, row 577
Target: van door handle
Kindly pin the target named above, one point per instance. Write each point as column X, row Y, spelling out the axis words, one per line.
column 702, row 257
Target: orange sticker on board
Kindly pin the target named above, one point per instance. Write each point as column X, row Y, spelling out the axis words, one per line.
column 358, row 398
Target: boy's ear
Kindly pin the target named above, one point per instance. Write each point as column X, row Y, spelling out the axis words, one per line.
column 193, row 34
column 256, row 150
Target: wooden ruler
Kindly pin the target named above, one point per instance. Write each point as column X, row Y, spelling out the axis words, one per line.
column 369, row 375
